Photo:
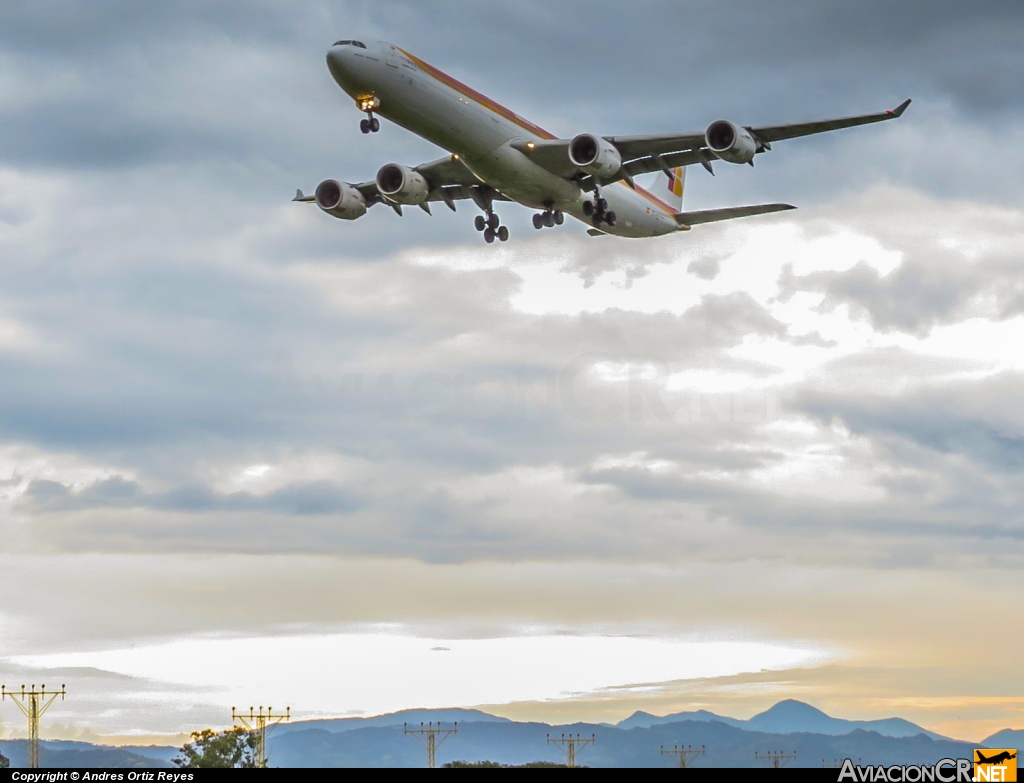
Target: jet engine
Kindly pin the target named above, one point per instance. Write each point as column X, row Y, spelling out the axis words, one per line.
column 730, row 142
column 341, row 201
column 594, row 155
column 402, row 185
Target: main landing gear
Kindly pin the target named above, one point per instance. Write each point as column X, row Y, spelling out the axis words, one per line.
column 491, row 226
column 598, row 212
column 371, row 124
column 548, row 218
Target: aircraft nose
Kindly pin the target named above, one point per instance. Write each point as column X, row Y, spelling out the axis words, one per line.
column 336, row 59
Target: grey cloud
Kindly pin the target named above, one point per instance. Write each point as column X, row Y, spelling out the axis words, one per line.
column 321, row 497
column 912, row 298
column 976, row 419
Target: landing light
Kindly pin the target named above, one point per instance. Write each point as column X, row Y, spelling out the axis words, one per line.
column 530, row 145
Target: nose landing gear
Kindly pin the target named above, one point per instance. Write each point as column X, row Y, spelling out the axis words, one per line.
column 369, row 104
column 491, row 227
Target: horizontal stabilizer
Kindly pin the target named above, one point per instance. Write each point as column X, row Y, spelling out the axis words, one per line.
column 714, row 215
column 305, row 199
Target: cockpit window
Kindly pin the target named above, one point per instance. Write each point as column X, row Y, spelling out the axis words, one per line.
column 360, row 44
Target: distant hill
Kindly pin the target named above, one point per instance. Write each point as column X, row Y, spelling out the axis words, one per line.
column 635, row 742
column 787, row 717
column 520, row 743
column 1007, row 738
column 63, row 755
column 412, row 717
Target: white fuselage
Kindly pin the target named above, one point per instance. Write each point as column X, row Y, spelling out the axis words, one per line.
column 440, row 109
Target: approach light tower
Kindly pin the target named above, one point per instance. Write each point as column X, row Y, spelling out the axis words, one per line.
column 258, row 722
column 682, row 755
column 570, row 744
column 427, row 736
column 777, row 758
column 33, row 703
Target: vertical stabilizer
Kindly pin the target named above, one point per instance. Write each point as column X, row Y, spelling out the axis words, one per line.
column 672, row 193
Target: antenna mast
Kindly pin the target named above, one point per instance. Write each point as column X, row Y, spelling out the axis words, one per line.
column 777, row 758
column 571, row 744
column 427, row 737
column 258, row 722
column 682, row 755
column 33, row 703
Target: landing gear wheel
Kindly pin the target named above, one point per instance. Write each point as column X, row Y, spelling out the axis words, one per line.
column 588, row 208
column 549, row 219
column 374, row 125
column 364, row 126
column 488, row 235
column 558, row 216
column 597, row 219
column 480, row 223
column 493, row 222
column 610, row 218
column 538, row 220
column 602, row 205
column 503, row 233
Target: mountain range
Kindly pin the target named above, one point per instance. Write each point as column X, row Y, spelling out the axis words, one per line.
column 790, row 727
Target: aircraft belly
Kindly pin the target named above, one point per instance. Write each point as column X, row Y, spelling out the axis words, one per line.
column 514, row 175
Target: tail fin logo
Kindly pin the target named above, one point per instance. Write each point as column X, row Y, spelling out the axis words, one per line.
column 674, row 198
column 675, row 182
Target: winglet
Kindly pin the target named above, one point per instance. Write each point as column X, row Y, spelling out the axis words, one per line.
column 898, row 111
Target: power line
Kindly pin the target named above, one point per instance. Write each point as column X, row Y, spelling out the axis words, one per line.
column 777, row 758
column 33, row 703
column 571, row 744
column 682, row 755
column 427, row 737
column 257, row 723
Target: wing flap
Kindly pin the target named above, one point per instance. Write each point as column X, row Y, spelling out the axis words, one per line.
column 728, row 213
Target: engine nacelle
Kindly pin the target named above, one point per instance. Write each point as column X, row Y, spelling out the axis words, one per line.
column 594, row 155
column 341, row 201
column 402, row 185
column 730, row 142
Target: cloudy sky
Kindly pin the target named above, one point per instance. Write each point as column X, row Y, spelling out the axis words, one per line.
column 250, row 454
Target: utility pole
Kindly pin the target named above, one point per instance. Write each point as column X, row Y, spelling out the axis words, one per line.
column 570, row 745
column 33, row 703
column 257, row 723
column 427, row 737
column 682, row 755
column 777, row 758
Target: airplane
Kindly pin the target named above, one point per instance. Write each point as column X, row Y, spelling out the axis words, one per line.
column 497, row 156
column 996, row 759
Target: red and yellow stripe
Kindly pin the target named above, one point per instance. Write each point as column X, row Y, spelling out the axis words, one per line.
column 476, row 97
column 509, row 115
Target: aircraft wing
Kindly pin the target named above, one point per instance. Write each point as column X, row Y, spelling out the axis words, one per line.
column 659, row 152
column 449, row 181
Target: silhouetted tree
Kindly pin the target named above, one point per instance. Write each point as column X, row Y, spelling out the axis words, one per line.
column 209, row 748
